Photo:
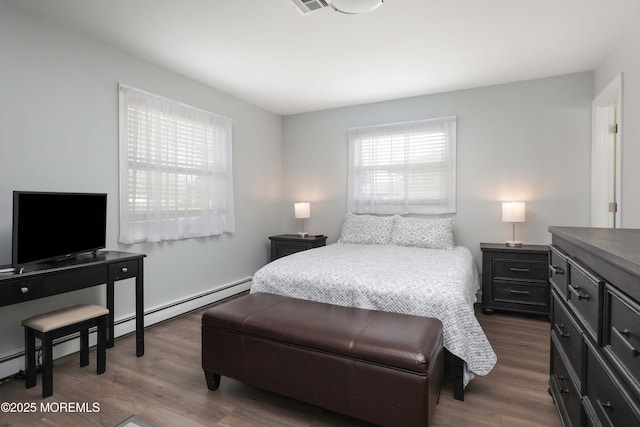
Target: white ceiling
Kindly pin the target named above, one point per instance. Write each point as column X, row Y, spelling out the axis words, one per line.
column 265, row 52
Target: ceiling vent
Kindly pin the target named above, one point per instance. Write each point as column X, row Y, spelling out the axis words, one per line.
column 305, row 7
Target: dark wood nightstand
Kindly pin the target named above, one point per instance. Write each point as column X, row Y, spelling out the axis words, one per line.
column 515, row 279
column 287, row 244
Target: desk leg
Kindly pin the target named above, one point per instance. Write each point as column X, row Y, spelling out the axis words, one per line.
column 140, row 310
column 110, row 322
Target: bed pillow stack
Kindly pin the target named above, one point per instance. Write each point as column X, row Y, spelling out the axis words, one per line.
column 432, row 233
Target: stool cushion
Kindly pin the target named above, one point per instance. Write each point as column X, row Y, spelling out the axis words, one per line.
column 64, row 317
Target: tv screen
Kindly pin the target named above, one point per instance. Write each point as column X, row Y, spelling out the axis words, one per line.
column 48, row 226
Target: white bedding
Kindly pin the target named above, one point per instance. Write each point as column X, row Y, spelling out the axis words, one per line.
column 427, row 282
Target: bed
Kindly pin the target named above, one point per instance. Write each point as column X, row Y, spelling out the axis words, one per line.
column 397, row 264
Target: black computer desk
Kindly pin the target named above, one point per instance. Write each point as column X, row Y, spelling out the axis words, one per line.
column 79, row 272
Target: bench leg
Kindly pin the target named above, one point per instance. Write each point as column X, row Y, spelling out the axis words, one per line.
column 101, row 348
column 29, row 357
column 47, row 365
column 213, row 380
column 84, row 347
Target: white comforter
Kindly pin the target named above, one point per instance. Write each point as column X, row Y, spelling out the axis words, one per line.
column 426, row 282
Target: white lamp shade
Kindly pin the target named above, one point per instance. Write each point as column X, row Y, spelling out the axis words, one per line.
column 302, row 210
column 513, row 212
column 354, row 6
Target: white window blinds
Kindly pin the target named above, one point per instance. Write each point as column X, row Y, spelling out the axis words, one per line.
column 175, row 170
column 403, row 168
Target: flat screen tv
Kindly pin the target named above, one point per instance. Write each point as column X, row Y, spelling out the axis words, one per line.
column 49, row 226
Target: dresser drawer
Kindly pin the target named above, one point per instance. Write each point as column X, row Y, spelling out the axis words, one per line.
column 521, row 293
column 568, row 335
column 590, row 416
column 564, row 390
column 610, row 399
column 622, row 332
column 584, row 296
column 123, row 270
column 287, row 244
column 284, row 249
column 558, row 269
column 20, row 290
column 67, row 280
column 519, row 269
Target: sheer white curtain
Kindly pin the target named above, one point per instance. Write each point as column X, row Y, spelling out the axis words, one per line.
column 176, row 180
column 403, row 168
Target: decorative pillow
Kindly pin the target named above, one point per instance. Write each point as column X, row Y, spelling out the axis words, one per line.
column 367, row 229
column 434, row 233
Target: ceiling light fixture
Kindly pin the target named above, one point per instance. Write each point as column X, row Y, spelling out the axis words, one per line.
column 353, row 7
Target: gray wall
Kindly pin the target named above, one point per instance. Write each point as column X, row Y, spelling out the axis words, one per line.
column 625, row 59
column 526, row 141
column 59, row 132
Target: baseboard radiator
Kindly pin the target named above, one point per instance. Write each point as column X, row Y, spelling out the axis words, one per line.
column 13, row 363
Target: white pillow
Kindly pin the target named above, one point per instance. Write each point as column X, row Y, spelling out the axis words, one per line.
column 433, row 233
column 367, row 229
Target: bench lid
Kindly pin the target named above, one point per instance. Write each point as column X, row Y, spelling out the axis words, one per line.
column 398, row 340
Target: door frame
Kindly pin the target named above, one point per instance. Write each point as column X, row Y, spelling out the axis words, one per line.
column 610, row 95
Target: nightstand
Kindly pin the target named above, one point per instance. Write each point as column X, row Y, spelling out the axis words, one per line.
column 515, row 278
column 287, row 244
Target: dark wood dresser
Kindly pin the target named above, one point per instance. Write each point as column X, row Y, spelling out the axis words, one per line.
column 595, row 325
column 287, row 244
column 515, row 278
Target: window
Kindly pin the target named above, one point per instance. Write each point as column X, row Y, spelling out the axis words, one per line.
column 175, row 170
column 403, row 168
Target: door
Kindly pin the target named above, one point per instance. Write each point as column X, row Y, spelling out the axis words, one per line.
column 606, row 156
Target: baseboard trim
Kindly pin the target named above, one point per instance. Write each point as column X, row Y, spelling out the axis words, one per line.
column 168, row 311
column 13, row 363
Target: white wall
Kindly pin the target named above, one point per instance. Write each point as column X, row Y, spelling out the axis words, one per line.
column 625, row 59
column 59, row 132
column 525, row 141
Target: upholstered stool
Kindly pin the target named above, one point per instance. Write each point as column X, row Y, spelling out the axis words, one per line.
column 60, row 323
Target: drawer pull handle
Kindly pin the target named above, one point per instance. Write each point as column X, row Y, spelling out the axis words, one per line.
column 580, row 295
column 519, row 270
column 124, row 269
column 561, row 379
column 563, row 333
column 517, row 292
column 624, row 337
column 24, row 290
column 556, row 270
column 605, row 405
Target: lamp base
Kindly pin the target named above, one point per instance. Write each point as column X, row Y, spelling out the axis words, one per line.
column 514, row 243
column 302, row 234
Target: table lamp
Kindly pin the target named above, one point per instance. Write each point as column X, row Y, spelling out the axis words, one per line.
column 513, row 212
column 302, row 210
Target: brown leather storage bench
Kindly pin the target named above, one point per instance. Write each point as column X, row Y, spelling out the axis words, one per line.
column 385, row 368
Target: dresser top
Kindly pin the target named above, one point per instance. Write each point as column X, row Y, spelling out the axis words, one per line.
column 619, row 246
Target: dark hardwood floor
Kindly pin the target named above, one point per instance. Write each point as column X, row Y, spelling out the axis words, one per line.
column 166, row 387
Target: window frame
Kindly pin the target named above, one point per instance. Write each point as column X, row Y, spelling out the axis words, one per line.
column 406, row 139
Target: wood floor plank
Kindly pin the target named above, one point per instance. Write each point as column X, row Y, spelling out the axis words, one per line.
column 166, row 386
